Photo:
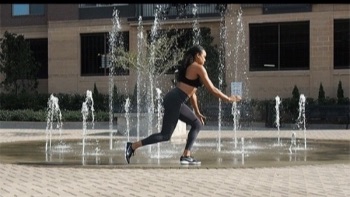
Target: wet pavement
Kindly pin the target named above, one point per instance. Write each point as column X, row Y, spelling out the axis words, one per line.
column 151, row 177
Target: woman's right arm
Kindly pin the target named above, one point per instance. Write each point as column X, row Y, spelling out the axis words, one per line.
column 202, row 72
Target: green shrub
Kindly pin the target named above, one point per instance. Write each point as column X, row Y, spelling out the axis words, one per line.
column 41, row 115
column 22, row 115
column 71, row 116
column 71, row 102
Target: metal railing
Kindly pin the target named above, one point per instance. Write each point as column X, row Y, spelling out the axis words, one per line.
column 149, row 10
column 91, row 5
column 178, row 10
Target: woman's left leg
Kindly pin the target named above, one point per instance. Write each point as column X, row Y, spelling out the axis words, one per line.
column 187, row 116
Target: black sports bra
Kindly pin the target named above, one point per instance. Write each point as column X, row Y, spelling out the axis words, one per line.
column 192, row 82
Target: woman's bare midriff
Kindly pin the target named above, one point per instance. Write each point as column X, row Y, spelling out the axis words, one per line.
column 189, row 90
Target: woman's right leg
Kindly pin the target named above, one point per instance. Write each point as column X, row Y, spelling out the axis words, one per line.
column 170, row 119
column 172, row 106
column 172, row 103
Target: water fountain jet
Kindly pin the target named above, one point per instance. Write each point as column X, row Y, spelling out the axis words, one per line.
column 223, row 40
column 127, row 117
column 277, row 121
column 301, row 118
column 239, row 49
column 87, row 106
column 53, row 112
column 113, row 35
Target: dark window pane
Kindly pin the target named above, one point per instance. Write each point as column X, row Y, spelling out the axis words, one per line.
column 39, row 47
column 263, row 47
column 279, row 46
column 294, row 45
column 341, row 43
column 94, row 54
column 93, row 46
column 37, row 9
column 286, row 8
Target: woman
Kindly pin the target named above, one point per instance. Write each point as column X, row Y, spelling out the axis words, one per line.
column 191, row 75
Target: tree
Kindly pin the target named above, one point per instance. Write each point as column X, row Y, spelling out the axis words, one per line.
column 168, row 48
column 294, row 102
column 340, row 91
column 321, row 94
column 163, row 51
column 18, row 64
column 295, row 93
column 95, row 92
column 211, row 65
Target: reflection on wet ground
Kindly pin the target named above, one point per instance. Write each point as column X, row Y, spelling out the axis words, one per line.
column 249, row 152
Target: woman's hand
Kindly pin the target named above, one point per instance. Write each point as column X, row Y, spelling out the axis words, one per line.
column 234, row 98
column 201, row 117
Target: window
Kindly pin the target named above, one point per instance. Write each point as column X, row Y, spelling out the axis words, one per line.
column 94, row 54
column 27, row 9
column 39, row 47
column 100, row 5
column 286, row 8
column 341, row 43
column 279, row 46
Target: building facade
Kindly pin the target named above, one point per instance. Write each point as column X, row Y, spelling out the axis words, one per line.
column 270, row 48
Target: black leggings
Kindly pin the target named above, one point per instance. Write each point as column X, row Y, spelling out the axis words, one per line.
column 175, row 109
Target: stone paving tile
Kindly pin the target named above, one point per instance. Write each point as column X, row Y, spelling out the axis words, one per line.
column 18, row 180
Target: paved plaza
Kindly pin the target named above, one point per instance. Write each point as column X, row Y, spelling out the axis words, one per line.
column 123, row 180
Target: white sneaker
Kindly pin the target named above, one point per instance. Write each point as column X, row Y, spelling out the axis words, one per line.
column 188, row 160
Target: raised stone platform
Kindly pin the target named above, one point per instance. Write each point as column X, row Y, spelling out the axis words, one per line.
column 128, row 180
